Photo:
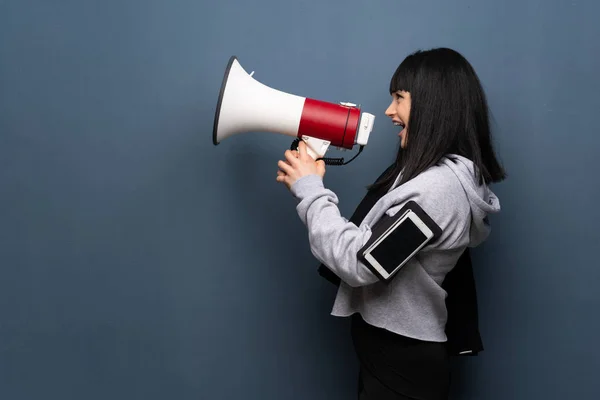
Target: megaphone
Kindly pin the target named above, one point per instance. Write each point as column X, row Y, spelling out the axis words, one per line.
column 246, row 105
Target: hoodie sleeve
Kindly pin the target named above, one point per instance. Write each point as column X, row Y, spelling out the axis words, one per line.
column 335, row 241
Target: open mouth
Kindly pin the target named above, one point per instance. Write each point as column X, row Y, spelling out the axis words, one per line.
column 400, row 124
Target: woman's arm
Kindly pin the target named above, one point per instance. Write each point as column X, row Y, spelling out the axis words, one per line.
column 333, row 240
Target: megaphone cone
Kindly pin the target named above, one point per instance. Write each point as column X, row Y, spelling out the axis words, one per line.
column 246, row 105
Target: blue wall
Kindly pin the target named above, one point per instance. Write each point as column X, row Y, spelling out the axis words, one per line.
column 118, row 217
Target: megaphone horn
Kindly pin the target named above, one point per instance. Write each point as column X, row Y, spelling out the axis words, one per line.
column 246, row 105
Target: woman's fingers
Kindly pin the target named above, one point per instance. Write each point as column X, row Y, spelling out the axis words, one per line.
column 291, row 157
column 302, row 153
column 285, row 167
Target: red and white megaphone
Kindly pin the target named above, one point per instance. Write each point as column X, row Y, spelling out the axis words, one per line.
column 246, row 105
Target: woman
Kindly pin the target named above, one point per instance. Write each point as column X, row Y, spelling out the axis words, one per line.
column 445, row 163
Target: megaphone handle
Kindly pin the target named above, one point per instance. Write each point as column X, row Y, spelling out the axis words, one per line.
column 316, row 148
column 312, row 153
column 328, row 161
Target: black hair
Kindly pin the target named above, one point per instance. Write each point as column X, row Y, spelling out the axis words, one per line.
column 449, row 114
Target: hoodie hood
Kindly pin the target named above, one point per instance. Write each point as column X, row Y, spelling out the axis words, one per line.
column 481, row 199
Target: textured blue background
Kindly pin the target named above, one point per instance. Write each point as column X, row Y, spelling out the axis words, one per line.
column 138, row 261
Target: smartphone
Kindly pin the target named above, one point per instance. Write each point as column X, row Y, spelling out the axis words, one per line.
column 398, row 244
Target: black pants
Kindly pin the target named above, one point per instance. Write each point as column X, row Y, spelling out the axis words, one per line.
column 394, row 367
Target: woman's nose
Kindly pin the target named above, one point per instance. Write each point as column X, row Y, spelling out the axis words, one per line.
column 390, row 111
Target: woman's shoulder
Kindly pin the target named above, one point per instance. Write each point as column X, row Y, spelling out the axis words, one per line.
column 438, row 190
column 446, row 178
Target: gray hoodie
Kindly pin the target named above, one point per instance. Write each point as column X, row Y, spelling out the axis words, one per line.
column 413, row 302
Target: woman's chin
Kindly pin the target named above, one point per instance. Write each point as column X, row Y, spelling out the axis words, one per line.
column 402, row 139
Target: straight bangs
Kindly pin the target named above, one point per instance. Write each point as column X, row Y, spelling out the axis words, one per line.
column 404, row 77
